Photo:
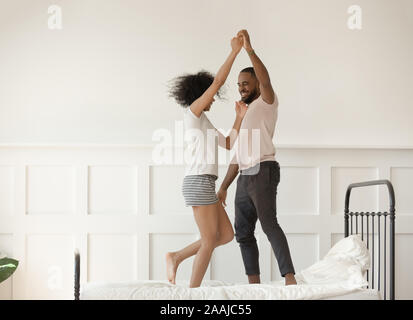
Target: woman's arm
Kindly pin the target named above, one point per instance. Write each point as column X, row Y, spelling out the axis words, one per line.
column 228, row 142
column 206, row 99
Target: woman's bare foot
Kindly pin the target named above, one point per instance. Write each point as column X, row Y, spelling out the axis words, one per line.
column 171, row 266
column 290, row 279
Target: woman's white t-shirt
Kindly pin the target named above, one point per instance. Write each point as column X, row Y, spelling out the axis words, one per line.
column 201, row 154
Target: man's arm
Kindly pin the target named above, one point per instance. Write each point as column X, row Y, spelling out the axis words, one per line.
column 229, row 177
column 267, row 92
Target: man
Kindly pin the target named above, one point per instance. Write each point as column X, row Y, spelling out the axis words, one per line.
column 259, row 171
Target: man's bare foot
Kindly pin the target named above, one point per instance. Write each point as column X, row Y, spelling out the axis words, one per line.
column 254, row 279
column 171, row 266
column 290, row 279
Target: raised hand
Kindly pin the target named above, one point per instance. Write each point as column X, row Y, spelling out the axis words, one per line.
column 246, row 43
column 240, row 108
column 236, row 43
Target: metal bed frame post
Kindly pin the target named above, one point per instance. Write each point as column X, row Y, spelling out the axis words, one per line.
column 392, row 242
column 77, row 274
column 392, row 232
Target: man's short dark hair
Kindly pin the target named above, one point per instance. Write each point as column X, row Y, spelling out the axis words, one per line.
column 250, row 70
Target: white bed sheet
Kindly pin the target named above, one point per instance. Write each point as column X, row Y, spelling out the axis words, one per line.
column 340, row 274
column 152, row 290
column 361, row 294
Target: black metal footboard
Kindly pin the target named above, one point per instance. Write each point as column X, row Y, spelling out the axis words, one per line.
column 77, row 274
column 388, row 242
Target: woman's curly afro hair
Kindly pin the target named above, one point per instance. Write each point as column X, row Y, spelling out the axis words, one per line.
column 186, row 88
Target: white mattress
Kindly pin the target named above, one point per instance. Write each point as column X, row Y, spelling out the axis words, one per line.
column 362, row 294
column 339, row 275
column 218, row 290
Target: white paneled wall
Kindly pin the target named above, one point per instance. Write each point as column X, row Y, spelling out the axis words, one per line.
column 124, row 212
column 303, row 181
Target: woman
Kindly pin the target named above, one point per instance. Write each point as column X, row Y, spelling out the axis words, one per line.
column 196, row 94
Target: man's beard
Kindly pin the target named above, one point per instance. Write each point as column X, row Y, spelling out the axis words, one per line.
column 250, row 98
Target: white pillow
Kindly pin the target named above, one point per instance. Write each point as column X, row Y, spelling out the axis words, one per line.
column 345, row 263
column 351, row 248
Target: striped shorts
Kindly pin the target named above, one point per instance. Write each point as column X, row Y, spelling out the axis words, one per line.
column 199, row 190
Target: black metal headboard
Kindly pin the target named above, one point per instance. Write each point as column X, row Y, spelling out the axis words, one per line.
column 391, row 241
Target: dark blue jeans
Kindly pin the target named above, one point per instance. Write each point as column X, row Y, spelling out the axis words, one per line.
column 256, row 199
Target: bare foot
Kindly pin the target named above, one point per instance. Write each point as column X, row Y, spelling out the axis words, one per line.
column 290, row 279
column 255, row 278
column 171, row 267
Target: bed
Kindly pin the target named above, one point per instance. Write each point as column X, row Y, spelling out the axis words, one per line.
column 351, row 270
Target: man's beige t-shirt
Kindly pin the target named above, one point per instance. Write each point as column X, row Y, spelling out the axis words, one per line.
column 255, row 143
